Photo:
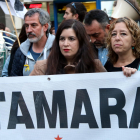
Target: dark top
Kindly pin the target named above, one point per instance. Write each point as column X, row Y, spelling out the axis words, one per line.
column 13, row 51
column 110, row 68
column 18, row 63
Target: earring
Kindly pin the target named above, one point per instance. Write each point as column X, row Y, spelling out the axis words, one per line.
column 132, row 48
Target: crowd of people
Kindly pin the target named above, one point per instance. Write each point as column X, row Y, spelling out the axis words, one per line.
column 85, row 42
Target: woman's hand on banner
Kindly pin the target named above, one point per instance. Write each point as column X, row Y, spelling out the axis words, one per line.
column 127, row 71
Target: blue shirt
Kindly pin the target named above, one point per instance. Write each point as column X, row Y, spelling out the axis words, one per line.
column 34, row 54
column 102, row 55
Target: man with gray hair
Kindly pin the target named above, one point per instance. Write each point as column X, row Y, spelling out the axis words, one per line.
column 97, row 27
column 38, row 43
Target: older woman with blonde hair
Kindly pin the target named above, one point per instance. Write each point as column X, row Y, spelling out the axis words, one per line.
column 123, row 44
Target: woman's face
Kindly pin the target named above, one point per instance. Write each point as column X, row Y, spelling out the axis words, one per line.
column 121, row 39
column 69, row 44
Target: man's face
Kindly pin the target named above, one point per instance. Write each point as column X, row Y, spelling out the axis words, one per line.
column 96, row 33
column 68, row 14
column 7, row 30
column 34, row 29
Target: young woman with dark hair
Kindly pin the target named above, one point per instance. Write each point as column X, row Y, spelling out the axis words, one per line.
column 71, row 52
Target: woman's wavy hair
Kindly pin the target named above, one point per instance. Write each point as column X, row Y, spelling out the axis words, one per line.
column 135, row 33
column 84, row 59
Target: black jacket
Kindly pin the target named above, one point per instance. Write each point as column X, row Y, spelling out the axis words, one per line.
column 18, row 63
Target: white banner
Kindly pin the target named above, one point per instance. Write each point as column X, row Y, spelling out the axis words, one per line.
column 13, row 11
column 98, row 106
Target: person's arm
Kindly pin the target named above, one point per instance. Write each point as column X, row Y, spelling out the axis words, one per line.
column 35, row 70
column 5, row 68
column 40, row 68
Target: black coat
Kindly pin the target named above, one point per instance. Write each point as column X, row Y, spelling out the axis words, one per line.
column 18, row 63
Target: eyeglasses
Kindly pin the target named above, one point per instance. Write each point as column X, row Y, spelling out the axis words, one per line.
column 73, row 4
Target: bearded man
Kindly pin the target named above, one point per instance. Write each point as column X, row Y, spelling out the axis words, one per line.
column 97, row 27
column 38, row 43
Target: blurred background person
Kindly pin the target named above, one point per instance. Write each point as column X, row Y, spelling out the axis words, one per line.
column 9, row 61
column 52, row 30
column 123, row 44
column 9, row 35
column 7, row 30
column 8, row 41
column 75, row 10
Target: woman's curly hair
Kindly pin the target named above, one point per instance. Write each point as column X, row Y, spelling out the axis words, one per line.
column 134, row 31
